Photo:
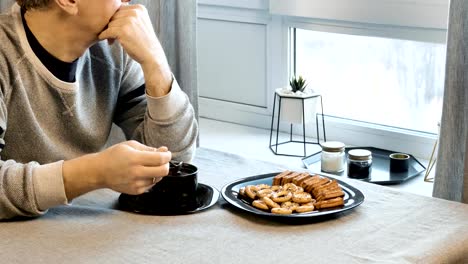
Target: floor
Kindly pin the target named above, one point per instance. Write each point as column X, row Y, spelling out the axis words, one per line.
column 253, row 143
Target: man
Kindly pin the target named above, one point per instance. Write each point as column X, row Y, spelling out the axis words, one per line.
column 69, row 69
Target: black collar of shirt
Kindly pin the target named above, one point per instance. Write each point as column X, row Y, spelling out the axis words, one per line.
column 64, row 71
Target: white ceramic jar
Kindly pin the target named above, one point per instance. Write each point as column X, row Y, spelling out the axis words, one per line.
column 333, row 156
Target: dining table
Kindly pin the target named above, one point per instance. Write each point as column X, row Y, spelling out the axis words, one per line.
column 389, row 226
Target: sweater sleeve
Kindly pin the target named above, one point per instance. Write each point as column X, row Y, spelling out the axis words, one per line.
column 27, row 189
column 164, row 121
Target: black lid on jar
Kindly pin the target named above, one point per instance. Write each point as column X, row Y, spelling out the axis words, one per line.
column 360, row 154
column 332, row 146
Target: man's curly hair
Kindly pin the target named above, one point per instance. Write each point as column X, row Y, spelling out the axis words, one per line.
column 33, row 4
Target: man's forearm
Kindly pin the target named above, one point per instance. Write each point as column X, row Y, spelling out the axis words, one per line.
column 79, row 176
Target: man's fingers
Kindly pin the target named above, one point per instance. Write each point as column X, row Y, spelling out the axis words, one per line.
column 162, row 149
column 149, row 156
column 156, row 180
column 154, row 158
column 124, row 14
column 139, row 146
column 153, row 173
column 144, row 185
column 132, row 7
column 117, row 23
column 109, row 33
column 149, row 182
column 116, row 29
column 127, row 11
column 126, row 6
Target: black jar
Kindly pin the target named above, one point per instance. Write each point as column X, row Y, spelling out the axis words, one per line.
column 359, row 163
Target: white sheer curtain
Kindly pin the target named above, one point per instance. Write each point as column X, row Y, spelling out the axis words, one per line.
column 451, row 179
column 5, row 5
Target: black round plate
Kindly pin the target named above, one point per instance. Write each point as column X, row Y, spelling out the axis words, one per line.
column 207, row 196
column 353, row 197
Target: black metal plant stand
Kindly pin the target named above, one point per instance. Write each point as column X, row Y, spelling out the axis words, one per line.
column 275, row 151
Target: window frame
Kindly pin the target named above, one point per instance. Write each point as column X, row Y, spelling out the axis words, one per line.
column 360, row 133
column 405, row 13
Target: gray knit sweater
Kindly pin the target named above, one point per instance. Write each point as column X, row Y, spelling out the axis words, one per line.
column 44, row 121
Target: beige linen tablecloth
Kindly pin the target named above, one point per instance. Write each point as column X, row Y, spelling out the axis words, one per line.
column 389, row 227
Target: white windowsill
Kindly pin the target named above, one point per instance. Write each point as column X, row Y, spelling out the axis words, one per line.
column 250, row 142
column 358, row 133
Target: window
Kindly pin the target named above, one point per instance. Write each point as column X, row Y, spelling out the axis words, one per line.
column 385, row 81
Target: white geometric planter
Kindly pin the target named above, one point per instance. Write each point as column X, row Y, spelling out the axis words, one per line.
column 291, row 106
column 295, row 108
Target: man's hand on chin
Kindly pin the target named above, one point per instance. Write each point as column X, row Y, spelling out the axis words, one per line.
column 132, row 27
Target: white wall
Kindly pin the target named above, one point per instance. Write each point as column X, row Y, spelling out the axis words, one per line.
column 235, row 64
column 230, row 66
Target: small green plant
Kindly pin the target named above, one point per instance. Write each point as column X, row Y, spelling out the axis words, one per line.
column 298, row 84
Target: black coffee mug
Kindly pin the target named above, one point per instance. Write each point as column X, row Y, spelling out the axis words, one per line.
column 399, row 162
column 178, row 189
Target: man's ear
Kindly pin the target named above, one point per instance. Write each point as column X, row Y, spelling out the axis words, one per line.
column 69, row 6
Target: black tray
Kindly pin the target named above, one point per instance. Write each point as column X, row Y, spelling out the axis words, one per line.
column 380, row 173
column 353, row 197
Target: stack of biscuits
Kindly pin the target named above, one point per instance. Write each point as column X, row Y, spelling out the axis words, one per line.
column 325, row 191
column 293, row 191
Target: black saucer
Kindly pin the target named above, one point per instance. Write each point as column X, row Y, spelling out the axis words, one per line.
column 207, row 196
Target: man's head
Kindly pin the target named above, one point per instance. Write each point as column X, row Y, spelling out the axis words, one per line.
column 83, row 19
column 33, row 4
